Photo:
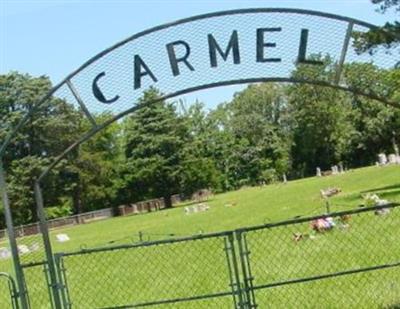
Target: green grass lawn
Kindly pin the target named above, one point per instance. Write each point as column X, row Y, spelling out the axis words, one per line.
column 168, row 271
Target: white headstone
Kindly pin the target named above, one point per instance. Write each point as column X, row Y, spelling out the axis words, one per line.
column 284, row 178
column 23, row 249
column 319, row 172
column 62, row 237
column 392, row 158
column 382, row 159
column 4, row 253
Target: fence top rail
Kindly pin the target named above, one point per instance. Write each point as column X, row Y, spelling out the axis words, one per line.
column 224, row 233
column 144, row 244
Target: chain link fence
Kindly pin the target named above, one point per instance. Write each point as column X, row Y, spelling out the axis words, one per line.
column 351, row 263
column 192, row 270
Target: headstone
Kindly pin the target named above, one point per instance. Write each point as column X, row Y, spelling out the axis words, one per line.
column 189, row 210
column 382, row 159
column 284, row 178
column 4, row 253
column 204, row 207
column 319, row 172
column 341, row 169
column 334, row 170
column 62, row 237
column 392, row 158
column 23, row 249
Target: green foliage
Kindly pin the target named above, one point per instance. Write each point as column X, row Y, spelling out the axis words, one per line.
column 387, row 35
column 386, row 4
column 161, row 156
column 376, row 125
column 266, row 131
column 59, row 211
column 320, row 120
column 83, row 177
column 95, row 168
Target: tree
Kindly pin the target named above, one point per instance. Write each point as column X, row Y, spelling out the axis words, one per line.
column 377, row 125
column 198, row 169
column 154, row 137
column 388, row 35
column 259, row 117
column 245, row 138
column 48, row 131
column 320, row 120
column 94, row 168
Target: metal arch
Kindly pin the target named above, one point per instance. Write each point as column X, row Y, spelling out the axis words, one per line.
column 168, row 25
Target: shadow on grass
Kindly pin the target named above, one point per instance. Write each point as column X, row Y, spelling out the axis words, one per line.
column 395, row 306
column 387, row 192
column 387, row 188
column 190, row 203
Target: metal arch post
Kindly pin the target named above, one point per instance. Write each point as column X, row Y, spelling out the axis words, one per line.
column 23, row 296
column 54, row 284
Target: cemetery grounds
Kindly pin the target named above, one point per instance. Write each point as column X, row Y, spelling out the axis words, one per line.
column 133, row 276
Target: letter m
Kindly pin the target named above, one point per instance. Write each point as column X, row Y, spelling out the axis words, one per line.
column 233, row 47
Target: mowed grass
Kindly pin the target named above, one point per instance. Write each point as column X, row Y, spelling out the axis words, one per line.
column 183, row 269
column 254, row 206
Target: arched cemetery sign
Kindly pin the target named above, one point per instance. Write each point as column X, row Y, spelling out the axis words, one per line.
column 217, row 49
column 224, row 48
column 205, row 51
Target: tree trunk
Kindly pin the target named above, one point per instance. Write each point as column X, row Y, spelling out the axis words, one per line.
column 168, row 201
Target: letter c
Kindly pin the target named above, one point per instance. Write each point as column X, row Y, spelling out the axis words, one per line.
column 98, row 93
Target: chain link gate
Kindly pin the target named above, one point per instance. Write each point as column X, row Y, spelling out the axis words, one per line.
column 194, row 272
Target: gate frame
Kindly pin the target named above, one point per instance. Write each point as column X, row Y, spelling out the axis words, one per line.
column 12, row 288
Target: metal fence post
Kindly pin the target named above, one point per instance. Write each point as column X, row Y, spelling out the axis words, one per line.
column 250, row 278
column 54, row 284
column 247, row 277
column 233, row 271
column 62, row 277
column 13, row 242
